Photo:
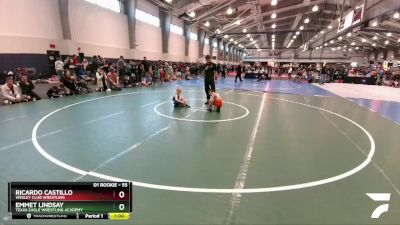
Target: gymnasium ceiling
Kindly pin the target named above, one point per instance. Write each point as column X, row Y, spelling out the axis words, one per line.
column 255, row 16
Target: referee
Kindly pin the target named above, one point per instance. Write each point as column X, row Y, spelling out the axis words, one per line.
column 210, row 70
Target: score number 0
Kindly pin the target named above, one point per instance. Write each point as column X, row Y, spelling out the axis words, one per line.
column 121, row 195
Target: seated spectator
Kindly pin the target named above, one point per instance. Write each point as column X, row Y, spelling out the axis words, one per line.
column 10, row 91
column 113, row 80
column 147, row 80
column 69, row 82
column 53, row 92
column 27, row 89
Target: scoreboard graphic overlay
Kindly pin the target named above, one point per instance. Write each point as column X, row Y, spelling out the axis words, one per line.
column 70, row 200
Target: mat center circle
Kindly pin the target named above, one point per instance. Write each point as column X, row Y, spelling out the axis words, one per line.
column 198, row 106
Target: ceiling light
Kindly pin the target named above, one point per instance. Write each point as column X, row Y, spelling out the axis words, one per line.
column 237, row 22
column 259, row 50
column 244, row 30
column 375, row 38
column 226, row 36
column 251, row 39
column 389, row 34
column 363, row 40
column 339, row 47
column 273, row 36
column 192, row 14
column 386, row 42
column 345, row 46
column 231, row 39
column 235, row 42
column 344, row 50
column 322, row 32
column 349, row 34
column 316, row 36
column 331, row 42
column 353, row 43
column 330, row 27
column 315, row 8
column 298, row 32
column 301, row 28
column 169, row 1
column 207, row 24
column 396, row 15
column 340, row 38
column 398, row 40
column 273, row 15
column 294, row 37
column 333, row 49
column 317, row 48
column 375, row 23
column 229, row 11
column 326, row 44
column 374, row 44
column 273, row 26
column 356, row 47
column 218, row 31
column 274, row 2
column 307, row 20
column 248, row 35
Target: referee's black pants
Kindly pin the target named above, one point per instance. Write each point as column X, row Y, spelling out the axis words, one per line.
column 209, row 84
column 238, row 75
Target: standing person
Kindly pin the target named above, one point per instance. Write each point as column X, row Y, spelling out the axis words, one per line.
column 101, row 78
column 27, row 89
column 146, row 65
column 121, row 66
column 223, row 71
column 210, row 71
column 238, row 73
column 59, row 66
column 322, row 76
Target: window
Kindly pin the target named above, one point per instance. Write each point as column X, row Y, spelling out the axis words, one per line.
column 193, row 36
column 176, row 29
column 147, row 18
column 113, row 5
column 215, row 45
column 206, row 41
column 222, row 47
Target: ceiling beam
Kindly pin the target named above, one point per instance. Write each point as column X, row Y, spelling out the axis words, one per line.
column 272, row 31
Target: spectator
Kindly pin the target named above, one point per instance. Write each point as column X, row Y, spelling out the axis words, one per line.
column 147, row 80
column 59, row 66
column 10, row 91
column 146, row 65
column 113, row 80
column 121, row 66
column 69, row 82
column 27, row 89
column 101, row 80
column 323, row 74
column 238, row 73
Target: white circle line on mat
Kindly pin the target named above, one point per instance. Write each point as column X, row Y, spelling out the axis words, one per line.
column 207, row 190
column 202, row 121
